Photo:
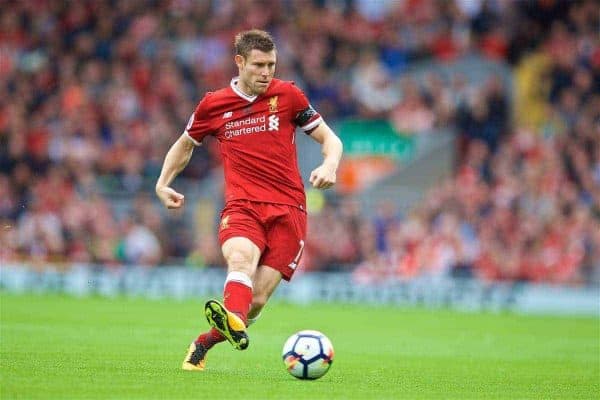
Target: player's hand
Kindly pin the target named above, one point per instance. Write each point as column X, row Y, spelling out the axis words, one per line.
column 323, row 177
column 169, row 197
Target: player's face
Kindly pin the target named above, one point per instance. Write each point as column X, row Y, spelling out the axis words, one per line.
column 256, row 71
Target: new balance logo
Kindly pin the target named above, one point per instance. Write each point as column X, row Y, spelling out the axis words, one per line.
column 228, row 114
column 273, row 123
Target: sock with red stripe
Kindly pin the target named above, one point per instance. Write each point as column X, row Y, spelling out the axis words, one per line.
column 237, row 298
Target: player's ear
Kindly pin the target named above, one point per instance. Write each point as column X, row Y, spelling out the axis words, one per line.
column 240, row 60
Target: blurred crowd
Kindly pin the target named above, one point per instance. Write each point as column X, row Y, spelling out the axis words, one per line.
column 92, row 94
column 529, row 212
column 525, row 201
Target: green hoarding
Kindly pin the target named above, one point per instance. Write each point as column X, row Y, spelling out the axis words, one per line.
column 375, row 138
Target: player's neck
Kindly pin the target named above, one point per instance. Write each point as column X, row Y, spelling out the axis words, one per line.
column 244, row 89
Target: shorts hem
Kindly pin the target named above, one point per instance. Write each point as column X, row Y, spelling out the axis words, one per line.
column 259, row 243
column 286, row 272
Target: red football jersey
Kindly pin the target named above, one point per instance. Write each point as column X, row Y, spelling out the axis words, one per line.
column 256, row 137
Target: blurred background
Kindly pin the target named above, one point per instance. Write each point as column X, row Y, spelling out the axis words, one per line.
column 471, row 132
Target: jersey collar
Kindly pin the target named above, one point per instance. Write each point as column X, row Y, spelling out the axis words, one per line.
column 237, row 90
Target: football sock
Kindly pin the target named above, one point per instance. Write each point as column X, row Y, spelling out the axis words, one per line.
column 237, row 294
column 210, row 338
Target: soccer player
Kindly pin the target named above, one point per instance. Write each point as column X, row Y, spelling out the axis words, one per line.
column 263, row 223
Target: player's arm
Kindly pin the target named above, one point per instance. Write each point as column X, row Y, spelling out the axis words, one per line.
column 176, row 159
column 324, row 176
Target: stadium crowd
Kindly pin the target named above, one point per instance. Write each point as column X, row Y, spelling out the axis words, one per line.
column 92, row 93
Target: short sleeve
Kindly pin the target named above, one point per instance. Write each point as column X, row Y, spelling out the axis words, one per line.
column 305, row 116
column 198, row 126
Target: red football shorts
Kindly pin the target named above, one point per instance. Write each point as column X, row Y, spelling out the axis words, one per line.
column 277, row 229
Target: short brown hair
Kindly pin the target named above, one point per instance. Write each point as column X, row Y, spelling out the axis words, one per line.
column 253, row 39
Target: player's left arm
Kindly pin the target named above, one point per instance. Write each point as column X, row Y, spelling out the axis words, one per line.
column 324, row 176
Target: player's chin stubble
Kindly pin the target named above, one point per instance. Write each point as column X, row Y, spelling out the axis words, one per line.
column 259, row 89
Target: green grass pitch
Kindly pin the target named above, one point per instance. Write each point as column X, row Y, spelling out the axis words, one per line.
column 55, row 347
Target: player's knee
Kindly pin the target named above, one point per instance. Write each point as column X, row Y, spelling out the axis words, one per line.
column 238, row 261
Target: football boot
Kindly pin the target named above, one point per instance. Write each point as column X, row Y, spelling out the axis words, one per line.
column 195, row 358
column 227, row 323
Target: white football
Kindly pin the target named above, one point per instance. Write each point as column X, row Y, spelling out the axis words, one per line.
column 308, row 354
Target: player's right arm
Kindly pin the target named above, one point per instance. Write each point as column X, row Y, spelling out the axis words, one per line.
column 176, row 159
column 180, row 153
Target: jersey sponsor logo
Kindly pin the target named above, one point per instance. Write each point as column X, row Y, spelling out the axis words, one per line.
column 245, row 126
column 251, row 125
column 273, row 104
column 273, row 123
column 227, row 114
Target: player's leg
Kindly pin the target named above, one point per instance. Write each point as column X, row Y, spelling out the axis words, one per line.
column 229, row 319
column 282, row 254
column 266, row 280
column 239, row 221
